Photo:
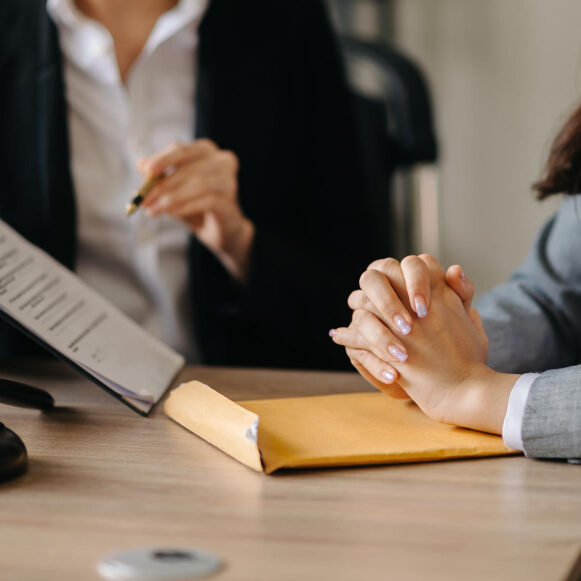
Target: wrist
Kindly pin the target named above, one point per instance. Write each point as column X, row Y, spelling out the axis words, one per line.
column 235, row 253
column 484, row 399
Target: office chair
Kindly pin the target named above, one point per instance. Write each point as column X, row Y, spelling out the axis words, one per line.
column 397, row 143
column 13, row 454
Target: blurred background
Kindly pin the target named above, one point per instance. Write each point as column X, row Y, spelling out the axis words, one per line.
column 503, row 75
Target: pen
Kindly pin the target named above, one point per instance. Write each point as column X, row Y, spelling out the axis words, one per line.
column 141, row 194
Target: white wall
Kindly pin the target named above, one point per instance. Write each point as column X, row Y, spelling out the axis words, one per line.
column 504, row 74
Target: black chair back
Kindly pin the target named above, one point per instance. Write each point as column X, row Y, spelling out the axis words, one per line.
column 396, row 130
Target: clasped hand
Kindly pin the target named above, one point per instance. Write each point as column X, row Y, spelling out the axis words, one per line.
column 415, row 334
column 200, row 188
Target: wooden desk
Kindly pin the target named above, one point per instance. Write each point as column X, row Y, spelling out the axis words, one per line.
column 102, row 478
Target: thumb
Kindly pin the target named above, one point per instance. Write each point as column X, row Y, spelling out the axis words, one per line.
column 461, row 285
column 474, row 316
column 476, row 320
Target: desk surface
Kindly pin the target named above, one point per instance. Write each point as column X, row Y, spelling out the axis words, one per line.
column 102, row 478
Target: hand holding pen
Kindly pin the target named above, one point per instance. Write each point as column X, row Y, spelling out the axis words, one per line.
column 197, row 183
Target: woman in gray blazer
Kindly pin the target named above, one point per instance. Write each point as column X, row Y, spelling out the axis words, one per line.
column 510, row 367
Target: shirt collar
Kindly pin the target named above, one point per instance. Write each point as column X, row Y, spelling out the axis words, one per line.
column 86, row 42
column 186, row 12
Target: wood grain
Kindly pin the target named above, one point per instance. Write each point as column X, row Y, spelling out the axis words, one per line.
column 102, row 478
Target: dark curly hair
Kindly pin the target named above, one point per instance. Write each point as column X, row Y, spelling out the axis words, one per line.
column 563, row 169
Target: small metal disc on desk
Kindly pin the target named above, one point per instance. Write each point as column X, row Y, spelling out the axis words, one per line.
column 159, row 564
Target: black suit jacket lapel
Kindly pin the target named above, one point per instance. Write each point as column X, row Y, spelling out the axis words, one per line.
column 56, row 196
column 239, row 88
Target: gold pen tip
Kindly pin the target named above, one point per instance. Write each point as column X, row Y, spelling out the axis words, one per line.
column 130, row 208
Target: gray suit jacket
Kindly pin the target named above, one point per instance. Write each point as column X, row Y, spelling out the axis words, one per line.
column 534, row 324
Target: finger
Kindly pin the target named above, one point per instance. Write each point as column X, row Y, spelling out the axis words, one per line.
column 380, row 374
column 216, row 163
column 392, row 269
column 476, row 320
column 348, row 337
column 170, row 202
column 198, row 206
column 176, row 154
column 379, row 339
column 376, row 286
column 221, row 187
column 358, row 300
column 220, row 168
column 194, row 192
column 417, row 280
column 167, row 185
column 392, row 389
column 437, row 275
column 379, row 371
column 461, row 285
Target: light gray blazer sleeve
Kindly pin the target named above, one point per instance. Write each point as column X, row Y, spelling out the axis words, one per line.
column 533, row 323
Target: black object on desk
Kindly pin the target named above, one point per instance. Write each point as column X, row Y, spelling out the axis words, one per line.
column 575, row 572
column 13, row 455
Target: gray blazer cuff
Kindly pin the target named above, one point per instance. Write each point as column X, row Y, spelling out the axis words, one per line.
column 552, row 417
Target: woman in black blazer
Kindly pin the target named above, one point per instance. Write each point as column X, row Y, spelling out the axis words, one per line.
column 271, row 89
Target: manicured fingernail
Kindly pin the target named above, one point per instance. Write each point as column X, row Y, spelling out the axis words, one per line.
column 403, row 325
column 332, row 332
column 397, row 353
column 462, row 276
column 387, row 376
column 421, row 307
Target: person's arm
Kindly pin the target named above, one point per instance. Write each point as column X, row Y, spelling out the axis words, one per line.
column 543, row 417
column 533, row 321
column 444, row 370
column 533, row 324
column 200, row 188
column 551, row 426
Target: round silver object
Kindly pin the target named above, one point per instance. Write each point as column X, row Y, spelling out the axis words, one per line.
column 159, row 563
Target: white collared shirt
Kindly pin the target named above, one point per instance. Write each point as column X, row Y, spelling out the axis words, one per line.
column 139, row 264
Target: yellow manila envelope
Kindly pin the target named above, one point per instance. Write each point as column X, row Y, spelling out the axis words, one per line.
column 329, row 430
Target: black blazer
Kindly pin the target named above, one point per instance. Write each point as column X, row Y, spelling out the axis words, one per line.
column 271, row 88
